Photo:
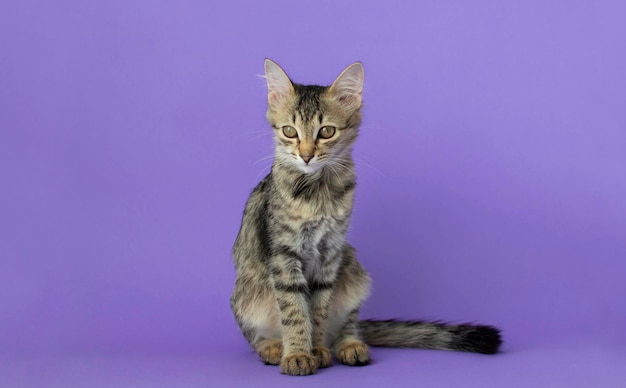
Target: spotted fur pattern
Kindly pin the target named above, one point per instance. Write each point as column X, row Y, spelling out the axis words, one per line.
column 299, row 285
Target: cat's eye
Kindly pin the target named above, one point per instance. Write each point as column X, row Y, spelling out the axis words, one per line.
column 289, row 132
column 326, row 132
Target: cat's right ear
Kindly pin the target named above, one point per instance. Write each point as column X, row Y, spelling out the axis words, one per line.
column 279, row 87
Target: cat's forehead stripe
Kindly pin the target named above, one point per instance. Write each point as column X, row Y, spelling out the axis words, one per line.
column 308, row 103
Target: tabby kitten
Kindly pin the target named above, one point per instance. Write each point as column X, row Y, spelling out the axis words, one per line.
column 299, row 285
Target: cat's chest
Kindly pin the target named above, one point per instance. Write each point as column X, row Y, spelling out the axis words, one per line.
column 316, row 242
column 311, row 234
column 314, row 237
column 315, row 230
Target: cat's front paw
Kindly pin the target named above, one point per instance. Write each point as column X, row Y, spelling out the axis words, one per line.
column 323, row 356
column 299, row 364
column 354, row 353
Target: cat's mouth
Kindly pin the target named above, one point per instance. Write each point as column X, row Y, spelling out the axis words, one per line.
column 309, row 168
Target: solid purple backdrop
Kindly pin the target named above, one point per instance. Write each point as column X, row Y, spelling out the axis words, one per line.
column 492, row 182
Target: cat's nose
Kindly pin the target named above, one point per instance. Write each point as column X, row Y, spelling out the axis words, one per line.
column 306, row 158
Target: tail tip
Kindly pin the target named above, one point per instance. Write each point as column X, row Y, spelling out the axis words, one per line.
column 484, row 339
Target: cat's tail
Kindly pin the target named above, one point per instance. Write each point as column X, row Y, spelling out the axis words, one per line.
column 431, row 335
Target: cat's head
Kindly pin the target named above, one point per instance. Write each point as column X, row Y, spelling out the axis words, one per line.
column 314, row 126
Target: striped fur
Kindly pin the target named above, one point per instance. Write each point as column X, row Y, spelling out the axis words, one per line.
column 299, row 285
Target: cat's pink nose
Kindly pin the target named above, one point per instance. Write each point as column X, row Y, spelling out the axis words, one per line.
column 306, row 158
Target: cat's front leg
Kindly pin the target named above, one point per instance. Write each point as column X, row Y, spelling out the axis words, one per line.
column 292, row 294
column 321, row 289
column 321, row 294
column 350, row 291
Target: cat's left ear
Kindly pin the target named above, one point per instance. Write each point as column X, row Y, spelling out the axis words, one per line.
column 348, row 87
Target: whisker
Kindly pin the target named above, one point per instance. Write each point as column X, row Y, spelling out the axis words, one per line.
column 363, row 163
column 263, row 159
column 264, row 171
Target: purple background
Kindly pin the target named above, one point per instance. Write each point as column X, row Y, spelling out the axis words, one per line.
column 492, row 183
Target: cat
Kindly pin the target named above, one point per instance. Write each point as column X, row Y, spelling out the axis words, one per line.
column 299, row 285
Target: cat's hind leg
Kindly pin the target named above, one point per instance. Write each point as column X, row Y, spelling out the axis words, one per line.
column 348, row 346
column 270, row 350
column 257, row 315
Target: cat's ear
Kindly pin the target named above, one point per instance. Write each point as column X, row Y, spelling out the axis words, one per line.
column 348, row 87
column 279, row 87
